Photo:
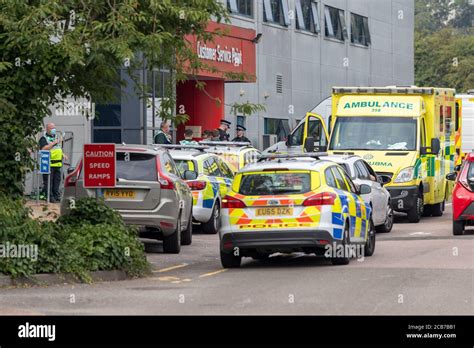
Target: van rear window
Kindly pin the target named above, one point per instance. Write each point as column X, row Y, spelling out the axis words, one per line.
column 275, row 183
column 136, row 166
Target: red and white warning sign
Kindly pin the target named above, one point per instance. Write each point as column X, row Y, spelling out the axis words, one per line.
column 99, row 165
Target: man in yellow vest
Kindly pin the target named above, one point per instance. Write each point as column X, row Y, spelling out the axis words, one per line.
column 51, row 141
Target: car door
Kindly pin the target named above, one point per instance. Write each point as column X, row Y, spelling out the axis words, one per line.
column 227, row 177
column 315, row 128
column 353, row 202
column 211, row 169
column 378, row 196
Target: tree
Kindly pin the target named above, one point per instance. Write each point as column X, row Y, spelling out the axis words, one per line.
column 57, row 48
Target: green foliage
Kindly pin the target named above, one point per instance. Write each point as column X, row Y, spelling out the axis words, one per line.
column 93, row 237
column 444, row 44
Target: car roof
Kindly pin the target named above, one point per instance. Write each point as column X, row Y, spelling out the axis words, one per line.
column 342, row 159
column 188, row 154
column 150, row 149
column 297, row 163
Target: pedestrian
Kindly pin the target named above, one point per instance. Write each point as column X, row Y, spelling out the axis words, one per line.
column 215, row 134
column 241, row 135
column 188, row 138
column 51, row 142
column 163, row 136
column 223, row 135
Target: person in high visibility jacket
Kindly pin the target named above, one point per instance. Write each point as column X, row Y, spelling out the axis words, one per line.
column 52, row 142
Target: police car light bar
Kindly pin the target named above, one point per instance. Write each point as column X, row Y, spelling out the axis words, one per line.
column 382, row 90
column 188, row 147
column 225, row 143
column 314, row 155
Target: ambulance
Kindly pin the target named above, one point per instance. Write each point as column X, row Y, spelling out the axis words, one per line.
column 464, row 141
column 407, row 135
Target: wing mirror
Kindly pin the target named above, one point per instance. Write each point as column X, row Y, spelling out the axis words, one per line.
column 451, row 176
column 434, row 149
column 383, row 179
column 189, row 175
column 364, row 189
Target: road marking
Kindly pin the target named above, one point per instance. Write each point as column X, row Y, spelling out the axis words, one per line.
column 212, row 273
column 420, row 234
column 170, row 268
column 166, row 279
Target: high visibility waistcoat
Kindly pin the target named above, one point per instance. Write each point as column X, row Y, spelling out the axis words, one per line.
column 56, row 152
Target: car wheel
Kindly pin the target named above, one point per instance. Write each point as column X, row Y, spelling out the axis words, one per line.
column 213, row 225
column 172, row 243
column 346, row 241
column 187, row 236
column 388, row 224
column 438, row 209
column 415, row 213
column 370, row 243
column 229, row 260
column 427, row 210
column 458, row 228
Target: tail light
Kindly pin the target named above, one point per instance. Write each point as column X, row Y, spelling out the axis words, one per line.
column 196, row 185
column 71, row 179
column 463, row 178
column 166, row 183
column 324, row 198
column 231, row 202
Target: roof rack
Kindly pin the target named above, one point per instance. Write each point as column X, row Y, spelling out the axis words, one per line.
column 184, row 147
column 314, row 155
column 225, row 143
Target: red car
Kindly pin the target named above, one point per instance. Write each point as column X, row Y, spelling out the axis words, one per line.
column 463, row 195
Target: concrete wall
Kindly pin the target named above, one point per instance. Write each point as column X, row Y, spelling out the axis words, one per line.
column 310, row 64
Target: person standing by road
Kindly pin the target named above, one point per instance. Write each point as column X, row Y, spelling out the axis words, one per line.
column 51, row 142
column 223, row 135
column 241, row 135
column 163, row 136
column 188, row 138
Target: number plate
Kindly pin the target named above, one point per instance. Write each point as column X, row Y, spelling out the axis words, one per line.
column 120, row 194
column 277, row 211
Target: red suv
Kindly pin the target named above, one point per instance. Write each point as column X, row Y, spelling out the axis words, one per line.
column 463, row 195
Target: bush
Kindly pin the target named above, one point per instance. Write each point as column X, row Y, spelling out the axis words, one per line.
column 92, row 237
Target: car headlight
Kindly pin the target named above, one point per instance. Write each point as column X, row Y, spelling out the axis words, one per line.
column 405, row 175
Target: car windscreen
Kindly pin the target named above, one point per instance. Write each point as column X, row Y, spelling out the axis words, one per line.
column 275, row 183
column 184, row 165
column 136, row 166
column 374, row 133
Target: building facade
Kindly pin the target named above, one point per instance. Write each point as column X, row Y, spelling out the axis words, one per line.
column 307, row 46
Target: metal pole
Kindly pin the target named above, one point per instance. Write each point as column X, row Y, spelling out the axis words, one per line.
column 153, row 96
column 37, row 176
column 49, row 187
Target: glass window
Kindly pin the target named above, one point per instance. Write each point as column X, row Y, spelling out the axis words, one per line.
column 168, row 165
column 279, row 183
column 374, row 133
column 108, row 136
column 370, row 170
column 224, row 169
column 340, row 179
column 307, row 16
column 211, row 167
column 316, row 130
column 241, row 121
column 352, row 187
column 276, row 11
column 360, row 30
column 108, row 115
column 277, row 126
column 346, row 168
column 241, row 7
column 330, row 179
column 335, row 24
column 362, row 171
column 423, row 132
column 137, row 167
column 298, row 135
column 184, row 165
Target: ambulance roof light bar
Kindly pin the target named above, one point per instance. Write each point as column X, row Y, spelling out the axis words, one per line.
column 314, row 155
column 383, row 90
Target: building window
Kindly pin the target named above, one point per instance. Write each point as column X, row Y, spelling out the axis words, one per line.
column 277, row 126
column 276, row 11
column 307, row 16
column 360, row 30
column 335, row 24
column 241, row 121
column 240, row 7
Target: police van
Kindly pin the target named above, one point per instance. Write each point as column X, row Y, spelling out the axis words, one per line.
column 407, row 134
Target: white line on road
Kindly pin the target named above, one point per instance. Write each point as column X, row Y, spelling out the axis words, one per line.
column 212, row 273
column 170, row 268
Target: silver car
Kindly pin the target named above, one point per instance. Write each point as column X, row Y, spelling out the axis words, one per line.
column 379, row 198
column 149, row 192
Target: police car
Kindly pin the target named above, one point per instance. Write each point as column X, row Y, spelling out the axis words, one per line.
column 294, row 203
column 212, row 179
column 236, row 154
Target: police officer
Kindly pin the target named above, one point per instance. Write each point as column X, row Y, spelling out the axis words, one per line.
column 241, row 135
column 223, row 135
column 51, row 141
column 163, row 136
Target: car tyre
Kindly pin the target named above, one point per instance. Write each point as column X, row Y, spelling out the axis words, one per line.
column 438, row 209
column 427, row 210
column 415, row 213
column 187, row 236
column 369, row 247
column 172, row 243
column 229, row 260
column 213, row 225
column 339, row 261
column 458, row 228
column 388, row 224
